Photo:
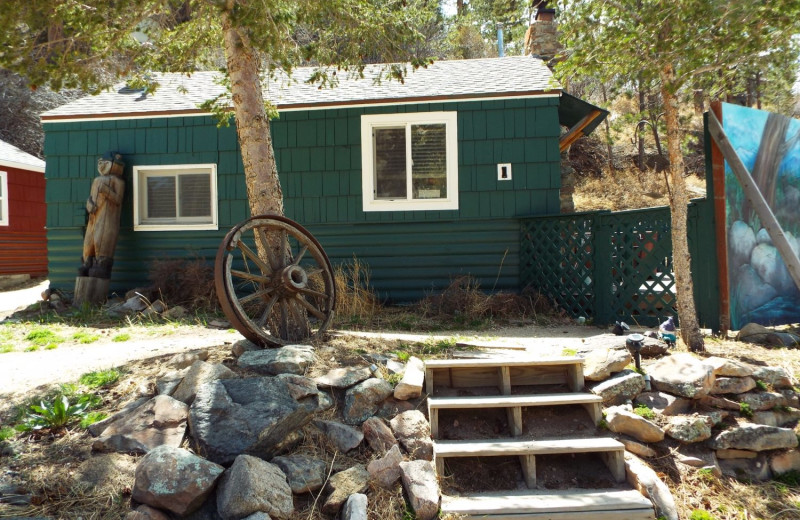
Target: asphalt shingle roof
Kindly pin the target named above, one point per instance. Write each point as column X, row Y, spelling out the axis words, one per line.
column 461, row 79
column 11, row 156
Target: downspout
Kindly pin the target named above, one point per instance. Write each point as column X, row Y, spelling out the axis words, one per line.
column 500, row 50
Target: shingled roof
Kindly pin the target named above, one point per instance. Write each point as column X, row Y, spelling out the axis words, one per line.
column 177, row 94
column 13, row 157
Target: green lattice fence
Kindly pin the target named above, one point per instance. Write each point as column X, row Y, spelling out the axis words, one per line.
column 617, row 266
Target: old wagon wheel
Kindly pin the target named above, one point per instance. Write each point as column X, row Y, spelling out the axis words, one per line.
column 274, row 281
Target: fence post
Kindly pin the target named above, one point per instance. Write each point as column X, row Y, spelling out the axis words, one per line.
column 602, row 266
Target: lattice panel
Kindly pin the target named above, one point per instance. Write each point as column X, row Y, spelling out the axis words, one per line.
column 556, row 258
column 641, row 273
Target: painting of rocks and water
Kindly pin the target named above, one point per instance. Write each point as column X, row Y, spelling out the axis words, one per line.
column 761, row 289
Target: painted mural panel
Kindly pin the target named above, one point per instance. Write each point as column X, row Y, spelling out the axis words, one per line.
column 761, row 289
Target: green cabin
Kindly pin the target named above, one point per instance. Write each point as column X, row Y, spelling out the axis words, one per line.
column 482, row 136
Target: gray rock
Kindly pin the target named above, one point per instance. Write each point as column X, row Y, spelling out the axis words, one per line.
column 688, row 428
column 242, row 346
column 254, row 416
column 378, row 435
column 324, row 401
column 343, row 437
column 755, row 437
column 619, row 388
column 299, row 387
column 599, row 364
column 344, row 484
column 386, row 470
column 638, row 449
column 186, row 359
column 414, row 433
column 258, row 516
column 304, row 474
column 732, row 385
column 174, row 479
column 362, row 401
column 291, row 359
column 652, row 348
column 792, row 399
column 682, row 375
column 391, row 407
column 760, row 401
column 776, row 418
column 753, row 332
column 724, row 367
column 343, row 377
column 422, row 488
column 145, row 512
column 159, row 421
column 355, row 508
column 175, row 313
column 100, row 426
column 410, row 386
column 645, row 480
column 252, row 485
column 719, row 402
column 755, row 469
column 784, row 462
column 736, row 454
column 775, row 376
column 199, row 374
column 621, row 420
column 167, row 383
column 713, row 417
column 663, row 403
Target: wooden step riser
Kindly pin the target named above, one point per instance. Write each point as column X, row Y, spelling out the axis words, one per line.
column 504, row 378
column 514, row 417
column 639, row 514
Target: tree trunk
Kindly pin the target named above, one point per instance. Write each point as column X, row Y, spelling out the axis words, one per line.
column 640, row 127
column 679, row 202
column 608, row 133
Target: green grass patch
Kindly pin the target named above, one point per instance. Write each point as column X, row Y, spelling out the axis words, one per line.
column 5, row 348
column 85, row 337
column 43, row 336
column 100, row 378
column 6, row 432
column 119, row 338
column 91, row 418
column 745, row 410
column 51, row 346
column 31, row 348
column 644, row 411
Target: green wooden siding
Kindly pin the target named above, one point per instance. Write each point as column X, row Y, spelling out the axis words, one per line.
column 319, row 159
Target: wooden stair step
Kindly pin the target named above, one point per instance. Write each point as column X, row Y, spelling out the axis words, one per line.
column 501, row 362
column 508, row 401
column 503, row 447
column 571, row 504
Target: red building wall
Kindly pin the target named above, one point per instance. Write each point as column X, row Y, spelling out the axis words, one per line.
column 23, row 243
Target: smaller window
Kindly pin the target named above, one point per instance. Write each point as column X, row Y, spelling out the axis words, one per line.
column 175, row 197
column 3, row 199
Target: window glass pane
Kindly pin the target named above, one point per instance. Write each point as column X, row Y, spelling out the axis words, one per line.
column 429, row 161
column 390, row 163
column 195, row 195
column 161, row 197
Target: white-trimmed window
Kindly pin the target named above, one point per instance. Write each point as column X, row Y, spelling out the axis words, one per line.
column 175, row 197
column 409, row 161
column 4, row 199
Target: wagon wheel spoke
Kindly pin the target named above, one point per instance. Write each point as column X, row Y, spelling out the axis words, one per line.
column 292, row 297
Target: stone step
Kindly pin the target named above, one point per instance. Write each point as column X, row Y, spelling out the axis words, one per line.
column 504, row 372
column 514, row 403
column 573, row 504
column 611, row 451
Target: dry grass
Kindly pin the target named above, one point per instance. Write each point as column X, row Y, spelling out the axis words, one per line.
column 628, row 189
column 186, row 282
column 356, row 302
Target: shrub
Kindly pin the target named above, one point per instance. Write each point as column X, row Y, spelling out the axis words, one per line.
column 745, row 410
column 100, row 378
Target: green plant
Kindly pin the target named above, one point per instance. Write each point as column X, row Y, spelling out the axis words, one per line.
column 6, row 348
column 84, row 337
column 92, row 417
column 31, row 348
column 761, row 385
column 393, row 379
column 42, row 337
column 56, row 414
column 403, row 356
column 699, row 514
column 745, row 410
column 644, row 411
column 6, row 432
column 602, row 424
column 121, row 337
column 51, row 346
column 569, row 352
column 100, row 378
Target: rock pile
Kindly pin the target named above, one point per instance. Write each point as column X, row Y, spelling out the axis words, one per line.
column 243, row 430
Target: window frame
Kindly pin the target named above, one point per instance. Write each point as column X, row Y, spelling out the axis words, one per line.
column 142, row 172
column 4, row 216
column 369, row 122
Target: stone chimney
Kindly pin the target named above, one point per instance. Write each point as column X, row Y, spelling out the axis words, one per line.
column 541, row 39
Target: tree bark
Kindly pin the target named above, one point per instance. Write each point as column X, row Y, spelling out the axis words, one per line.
column 679, row 202
column 640, row 126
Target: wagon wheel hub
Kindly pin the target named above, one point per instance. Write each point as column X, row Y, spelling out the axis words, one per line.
column 293, row 278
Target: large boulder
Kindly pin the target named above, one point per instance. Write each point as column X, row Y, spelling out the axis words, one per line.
column 199, row 374
column 732, row 385
column 159, row 421
column 622, row 387
column 759, row 401
column 414, row 432
column 755, row 437
column 363, row 400
column 600, row 363
column 682, row 375
column 253, row 415
column 724, row 367
column 252, row 485
column 291, row 359
column 775, row 376
column 422, row 488
column 304, row 474
column 174, row 479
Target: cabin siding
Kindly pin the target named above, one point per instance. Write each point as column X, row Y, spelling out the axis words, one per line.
column 318, row 155
column 24, row 240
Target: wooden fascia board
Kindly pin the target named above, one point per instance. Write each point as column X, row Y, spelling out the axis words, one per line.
column 576, row 131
